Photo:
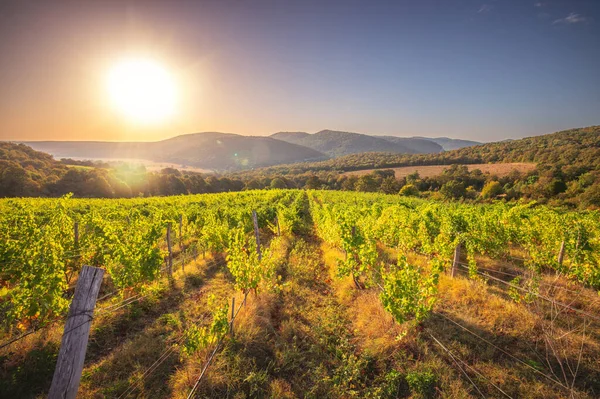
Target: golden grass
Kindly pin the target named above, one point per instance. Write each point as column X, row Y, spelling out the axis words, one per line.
column 469, row 297
column 498, row 169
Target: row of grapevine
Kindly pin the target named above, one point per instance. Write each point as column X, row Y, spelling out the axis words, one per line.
column 40, row 255
column 357, row 222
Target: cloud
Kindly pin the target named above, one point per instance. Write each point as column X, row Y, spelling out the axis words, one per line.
column 572, row 18
column 539, row 4
column 485, row 8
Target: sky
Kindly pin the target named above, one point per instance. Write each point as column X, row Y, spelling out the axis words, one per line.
column 482, row 70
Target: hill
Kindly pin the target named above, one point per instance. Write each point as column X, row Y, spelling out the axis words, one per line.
column 572, row 149
column 336, row 143
column 24, row 172
column 210, row 150
column 417, row 145
column 449, row 144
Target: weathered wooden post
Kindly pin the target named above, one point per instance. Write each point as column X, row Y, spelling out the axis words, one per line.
column 278, row 228
column 561, row 253
column 256, row 234
column 456, row 260
column 71, row 356
column 170, row 258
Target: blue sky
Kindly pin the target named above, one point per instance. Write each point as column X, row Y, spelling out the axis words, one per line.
column 482, row 70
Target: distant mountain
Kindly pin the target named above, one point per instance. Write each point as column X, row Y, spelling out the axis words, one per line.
column 210, row 150
column 449, row 144
column 335, row 143
column 227, row 151
column 416, row 144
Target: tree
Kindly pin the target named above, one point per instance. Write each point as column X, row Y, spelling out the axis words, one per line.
column 556, row 187
column 349, row 183
column 491, row 190
column 312, row 183
column 366, row 183
column 409, row 190
column 453, row 190
column 278, row 183
column 389, row 185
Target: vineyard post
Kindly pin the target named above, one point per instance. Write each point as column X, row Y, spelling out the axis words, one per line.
column 255, row 220
column 456, row 260
column 561, row 253
column 170, row 259
column 181, row 246
column 76, row 234
column 232, row 315
column 71, row 356
column 278, row 228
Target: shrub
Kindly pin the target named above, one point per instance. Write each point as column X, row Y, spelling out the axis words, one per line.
column 422, row 383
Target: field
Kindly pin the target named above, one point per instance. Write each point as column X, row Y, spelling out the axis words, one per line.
column 342, row 295
column 498, row 169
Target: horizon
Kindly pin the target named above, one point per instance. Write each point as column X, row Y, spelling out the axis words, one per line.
column 270, row 134
column 475, row 70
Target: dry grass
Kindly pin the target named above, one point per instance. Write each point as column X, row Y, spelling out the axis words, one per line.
column 498, row 169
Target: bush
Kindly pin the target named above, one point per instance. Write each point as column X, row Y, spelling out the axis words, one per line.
column 491, row 190
column 409, row 190
column 421, row 383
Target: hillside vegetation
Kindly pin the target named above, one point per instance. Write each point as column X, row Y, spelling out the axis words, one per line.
column 335, row 144
column 566, row 173
column 351, row 295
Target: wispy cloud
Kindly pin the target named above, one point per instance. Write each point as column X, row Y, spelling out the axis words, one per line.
column 539, row 4
column 572, row 18
column 485, row 8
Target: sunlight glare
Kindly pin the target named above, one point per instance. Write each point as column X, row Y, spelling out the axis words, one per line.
column 142, row 90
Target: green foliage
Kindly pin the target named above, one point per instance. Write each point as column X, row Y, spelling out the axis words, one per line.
column 407, row 293
column 197, row 338
column 244, row 263
column 409, row 190
column 491, row 190
column 422, row 383
column 40, row 258
column 453, row 190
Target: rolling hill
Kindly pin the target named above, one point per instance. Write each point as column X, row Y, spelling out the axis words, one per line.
column 209, row 150
column 449, row 144
column 228, row 151
column 336, row 143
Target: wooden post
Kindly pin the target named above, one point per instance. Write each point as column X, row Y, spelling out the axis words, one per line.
column 232, row 315
column 76, row 234
column 456, row 260
column 278, row 229
column 255, row 220
column 180, row 234
column 170, row 259
column 181, row 246
column 71, row 356
column 561, row 253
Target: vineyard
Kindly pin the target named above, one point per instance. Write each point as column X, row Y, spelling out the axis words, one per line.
column 287, row 293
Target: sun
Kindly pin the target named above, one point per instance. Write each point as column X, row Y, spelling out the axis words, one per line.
column 142, row 90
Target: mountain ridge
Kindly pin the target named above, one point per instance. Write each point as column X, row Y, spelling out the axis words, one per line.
column 230, row 151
